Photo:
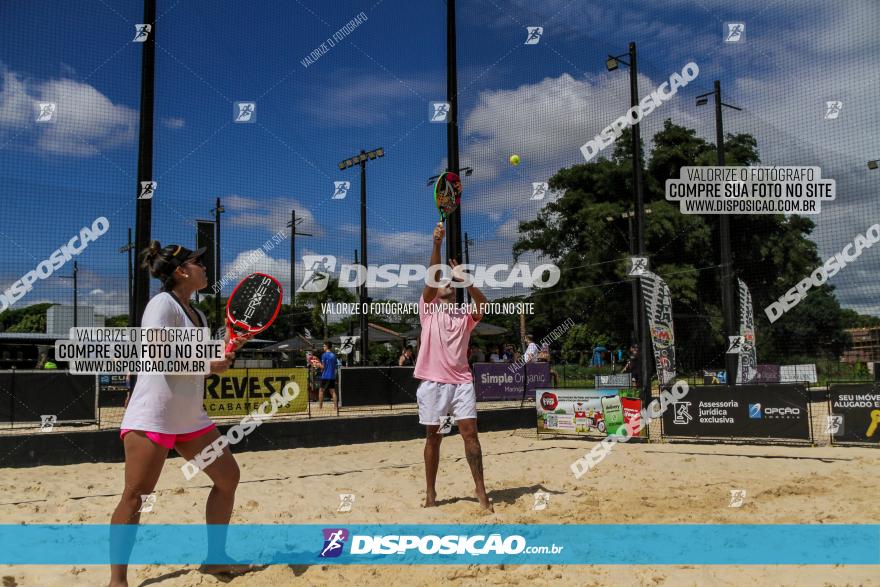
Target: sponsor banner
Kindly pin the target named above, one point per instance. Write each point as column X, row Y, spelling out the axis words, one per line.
column 447, row 544
column 238, row 392
column 495, row 381
column 747, row 411
column 113, row 382
column 586, row 412
column 616, row 380
column 767, row 374
column 798, row 374
column 718, row 377
column 658, row 305
column 747, row 359
column 859, row 407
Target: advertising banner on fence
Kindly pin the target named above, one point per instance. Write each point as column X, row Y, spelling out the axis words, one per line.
column 717, row 377
column 238, row 392
column 616, row 380
column 798, row 374
column 584, row 412
column 855, row 413
column 747, row 359
column 658, row 304
column 746, row 411
column 767, row 374
column 495, row 381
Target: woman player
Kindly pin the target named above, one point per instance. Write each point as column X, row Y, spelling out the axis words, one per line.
column 166, row 411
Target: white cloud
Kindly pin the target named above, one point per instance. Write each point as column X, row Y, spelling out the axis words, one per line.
column 174, row 123
column 271, row 214
column 86, row 121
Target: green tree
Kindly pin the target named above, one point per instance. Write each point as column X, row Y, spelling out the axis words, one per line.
column 772, row 252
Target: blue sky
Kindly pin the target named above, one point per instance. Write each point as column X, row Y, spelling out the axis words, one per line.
column 372, row 89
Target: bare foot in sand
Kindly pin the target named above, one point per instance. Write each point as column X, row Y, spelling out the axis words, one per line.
column 430, row 499
column 485, row 503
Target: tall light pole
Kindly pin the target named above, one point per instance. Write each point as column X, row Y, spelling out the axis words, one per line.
column 629, row 216
column 75, row 292
column 467, row 257
column 218, row 210
column 128, row 248
column 727, row 295
column 612, row 63
column 144, row 209
column 361, row 159
column 294, row 222
column 453, row 223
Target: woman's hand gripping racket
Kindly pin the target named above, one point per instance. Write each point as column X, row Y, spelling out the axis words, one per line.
column 447, row 194
column 252, row 307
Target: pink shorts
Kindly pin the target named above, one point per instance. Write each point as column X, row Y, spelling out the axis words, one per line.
column 169, row 440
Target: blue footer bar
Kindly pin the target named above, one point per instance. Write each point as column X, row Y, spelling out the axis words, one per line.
column 624, row 544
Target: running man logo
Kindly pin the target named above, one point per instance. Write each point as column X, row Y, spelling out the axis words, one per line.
column 334, row 541
column 539, row 190
column 832, row 109
column 346, row 500
column 340, row 189
column 147, row 503
column 347, row 343
column 439, row 111
column 737, row 498
column 141, row 32
column 681, row 413
column 637, row 266
column 47, row 422
column 318, row 269
column 534, row 34
column 46, row 111
column 148, row 188
column 445, row 425
column 736, row 32
column 245, row 112
column 834, row 424
column 542, row 500
column 736, row 345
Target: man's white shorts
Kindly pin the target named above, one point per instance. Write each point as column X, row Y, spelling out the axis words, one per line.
column 436, row 400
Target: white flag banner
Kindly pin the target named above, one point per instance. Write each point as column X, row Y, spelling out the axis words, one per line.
column 747, row 360
column 658, row 305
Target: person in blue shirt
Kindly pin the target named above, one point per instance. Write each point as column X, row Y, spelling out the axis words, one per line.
column 328, row 375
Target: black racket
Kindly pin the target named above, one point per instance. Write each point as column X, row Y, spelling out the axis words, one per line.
column 252, row 307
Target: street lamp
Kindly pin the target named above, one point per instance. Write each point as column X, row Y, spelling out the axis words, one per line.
column 361, row 159
column 466, row 171
column 727, row 299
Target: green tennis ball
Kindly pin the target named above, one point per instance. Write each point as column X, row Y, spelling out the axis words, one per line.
column 514, row 159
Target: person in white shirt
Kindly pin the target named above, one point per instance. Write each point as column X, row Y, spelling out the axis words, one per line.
column 531, row 354
column 166, row 411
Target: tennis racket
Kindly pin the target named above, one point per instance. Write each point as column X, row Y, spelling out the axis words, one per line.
column 447, row 194
column 252, row 307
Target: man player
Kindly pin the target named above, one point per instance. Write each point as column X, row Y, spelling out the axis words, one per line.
column 447, row 387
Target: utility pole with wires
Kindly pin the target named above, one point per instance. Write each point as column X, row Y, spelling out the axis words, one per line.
column 294, row 222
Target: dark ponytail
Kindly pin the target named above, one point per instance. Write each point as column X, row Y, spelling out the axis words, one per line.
column 160, row 263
